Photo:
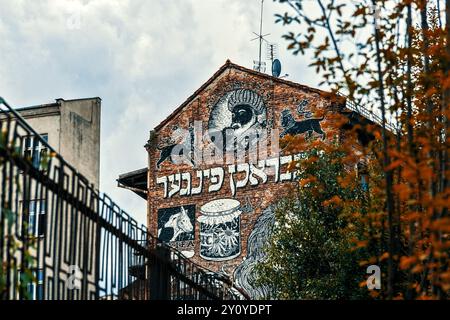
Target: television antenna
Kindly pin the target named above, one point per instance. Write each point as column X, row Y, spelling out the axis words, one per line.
column 258, row 65
column 272, row 55
column 271, row 51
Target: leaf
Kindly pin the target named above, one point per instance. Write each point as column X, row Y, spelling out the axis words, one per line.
column 360, row 11
column 361, row 244
column 384, row 256
column 334, row 201
column 393, row 165
column 407, row 261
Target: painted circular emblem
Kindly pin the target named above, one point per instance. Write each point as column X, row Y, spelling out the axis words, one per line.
column 241, row 111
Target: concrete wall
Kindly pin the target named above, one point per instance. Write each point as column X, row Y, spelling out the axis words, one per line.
column 45, row 120
column 73, row 129
column 80, row 136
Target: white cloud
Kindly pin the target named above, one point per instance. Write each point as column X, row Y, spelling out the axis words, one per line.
column 143, row 58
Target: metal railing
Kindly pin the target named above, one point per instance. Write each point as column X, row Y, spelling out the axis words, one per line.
column 60, row 238
column 368, row 114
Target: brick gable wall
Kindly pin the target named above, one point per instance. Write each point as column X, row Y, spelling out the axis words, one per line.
column 280, row 100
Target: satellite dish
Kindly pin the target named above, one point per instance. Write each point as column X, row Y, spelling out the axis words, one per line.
column 276, row 68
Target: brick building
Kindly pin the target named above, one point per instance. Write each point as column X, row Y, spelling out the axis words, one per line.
column 214, row 208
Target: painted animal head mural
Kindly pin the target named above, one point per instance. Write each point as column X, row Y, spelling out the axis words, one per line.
column 176, row 224
column 180, row 223
column 245, row 106
column 240, row 110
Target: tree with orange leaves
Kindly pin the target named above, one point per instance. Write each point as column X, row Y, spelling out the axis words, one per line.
column 393, row 58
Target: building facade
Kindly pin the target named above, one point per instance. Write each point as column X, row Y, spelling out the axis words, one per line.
column 206, row 197
column 72, row 129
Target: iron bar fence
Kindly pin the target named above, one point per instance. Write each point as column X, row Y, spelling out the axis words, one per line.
column 60, row 238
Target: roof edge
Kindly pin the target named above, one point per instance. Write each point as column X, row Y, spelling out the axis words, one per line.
column 78, row 99
column 229, row 64
column 192, row 96
column 132, row 173
column 40, row 106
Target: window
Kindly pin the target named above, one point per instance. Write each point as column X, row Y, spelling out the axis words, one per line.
column 36, row 217
column 36, row 287
column 34, row 149
column 364, row 184
column 363, row 175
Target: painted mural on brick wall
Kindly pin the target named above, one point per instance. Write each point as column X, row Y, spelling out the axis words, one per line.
column 179, row 143
column 244, row 274
column 219, row 220
column 176, row 226
column 308, row 126
column 187, row 184
column 220, row 229
column 242, row 111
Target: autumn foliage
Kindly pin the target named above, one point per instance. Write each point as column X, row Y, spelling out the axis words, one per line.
column 392, row 57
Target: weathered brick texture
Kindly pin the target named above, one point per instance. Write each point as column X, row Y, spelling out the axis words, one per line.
column 278, row 96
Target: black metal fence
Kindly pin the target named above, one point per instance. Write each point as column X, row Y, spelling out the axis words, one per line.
column 62, row 239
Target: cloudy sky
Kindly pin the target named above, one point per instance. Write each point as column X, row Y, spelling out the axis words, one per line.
column 142, row 57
